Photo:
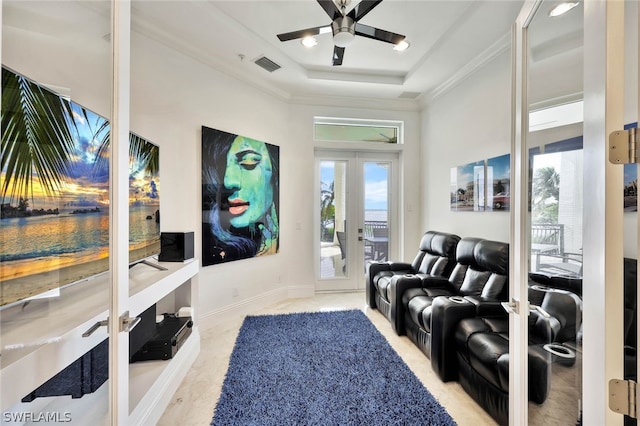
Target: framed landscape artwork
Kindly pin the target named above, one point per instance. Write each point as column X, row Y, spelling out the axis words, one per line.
column 499, row 183
column 55, row 193
column 467, row 189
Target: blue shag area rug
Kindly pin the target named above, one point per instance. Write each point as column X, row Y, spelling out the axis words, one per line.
column 324, row 368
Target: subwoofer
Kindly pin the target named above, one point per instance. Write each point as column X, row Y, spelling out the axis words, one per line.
column 175, row 246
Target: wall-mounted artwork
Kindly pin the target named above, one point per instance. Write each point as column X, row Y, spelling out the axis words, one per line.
column 499, row 183
column 453, row 189
column 630, row 187
column 467, row 192
column 55, row 193
column 240, row 197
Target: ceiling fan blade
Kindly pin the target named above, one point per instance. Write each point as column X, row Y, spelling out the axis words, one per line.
column 338, row 54
column 304, row 33
column 378, row 34
column 362, row 8
column 330, row 7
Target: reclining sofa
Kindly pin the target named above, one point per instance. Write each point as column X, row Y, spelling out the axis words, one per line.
column 433, row 306
column 436, row 256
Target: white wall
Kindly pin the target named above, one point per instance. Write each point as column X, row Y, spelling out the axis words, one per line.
column 471, row 122
column 172, row 96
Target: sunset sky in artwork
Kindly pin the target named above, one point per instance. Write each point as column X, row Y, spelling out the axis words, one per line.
column 87, row 185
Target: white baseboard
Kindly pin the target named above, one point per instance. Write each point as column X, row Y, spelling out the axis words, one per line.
column 252, row 304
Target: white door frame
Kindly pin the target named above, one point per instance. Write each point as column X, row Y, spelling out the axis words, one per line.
column 355, row 214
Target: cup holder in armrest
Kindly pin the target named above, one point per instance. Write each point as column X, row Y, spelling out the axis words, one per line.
column 540, row 287
column 458, row 299
column 565, row 355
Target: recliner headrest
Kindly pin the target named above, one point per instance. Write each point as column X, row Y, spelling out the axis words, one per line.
column 425, row 242
column 465, row 251
column 440, row 243
column 492, row 256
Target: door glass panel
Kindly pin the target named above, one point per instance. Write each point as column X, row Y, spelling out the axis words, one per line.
column 376, row 211
column 554, row 345
column 54, row 231
column 355, row 216
column 333, row 219
column 631, row 220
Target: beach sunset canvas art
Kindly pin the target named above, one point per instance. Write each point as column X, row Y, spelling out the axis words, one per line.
column 55, row 192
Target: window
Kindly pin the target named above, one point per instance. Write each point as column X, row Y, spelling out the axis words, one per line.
column 354, row 130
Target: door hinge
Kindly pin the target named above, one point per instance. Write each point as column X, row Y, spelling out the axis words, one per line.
column 622, row 397
column 623, row 146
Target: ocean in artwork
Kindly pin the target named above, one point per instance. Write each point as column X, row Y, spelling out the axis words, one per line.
column 55, row 231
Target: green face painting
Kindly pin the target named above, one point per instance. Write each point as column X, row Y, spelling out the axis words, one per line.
column 248, row 177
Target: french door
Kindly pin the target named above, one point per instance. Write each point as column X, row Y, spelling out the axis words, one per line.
column 356, row 215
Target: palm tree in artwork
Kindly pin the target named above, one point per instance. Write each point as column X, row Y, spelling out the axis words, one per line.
column 38, row 139
column 146, row 154
column 37, row 129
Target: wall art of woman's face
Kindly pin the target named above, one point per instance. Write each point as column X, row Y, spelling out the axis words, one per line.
column 247, row 177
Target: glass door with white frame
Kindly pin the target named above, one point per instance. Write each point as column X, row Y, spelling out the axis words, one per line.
column 55, row 226
column 547, row 303
column 355, row 215
column 554, row 289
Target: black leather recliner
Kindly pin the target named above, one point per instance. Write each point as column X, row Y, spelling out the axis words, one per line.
column 435, row 257
column 432, row 306
column 482, row 345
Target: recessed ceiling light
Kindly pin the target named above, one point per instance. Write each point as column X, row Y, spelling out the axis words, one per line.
column 402, row 46
column 309, row 41
column 563, row 8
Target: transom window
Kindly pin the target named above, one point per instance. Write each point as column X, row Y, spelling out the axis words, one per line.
column 327, row 129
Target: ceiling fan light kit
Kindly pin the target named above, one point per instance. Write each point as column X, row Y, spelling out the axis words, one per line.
column 345, row 27
column 309, row 42
column 402, row 46
column 344, row 31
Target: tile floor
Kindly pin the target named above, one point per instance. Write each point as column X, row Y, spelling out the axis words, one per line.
column 195, row 400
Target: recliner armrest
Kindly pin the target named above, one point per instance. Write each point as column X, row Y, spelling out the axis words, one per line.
column 487, row 307
column 399, row 284
column 400, row 266
column 446, row 313
column 373, row 268
column 435, row 281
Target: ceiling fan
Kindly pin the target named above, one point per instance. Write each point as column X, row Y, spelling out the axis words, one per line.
column 345, row 27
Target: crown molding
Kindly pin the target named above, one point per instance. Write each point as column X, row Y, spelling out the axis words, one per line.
column 473, row 66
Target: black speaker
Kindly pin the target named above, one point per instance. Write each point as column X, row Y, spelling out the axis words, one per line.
column 175, row 246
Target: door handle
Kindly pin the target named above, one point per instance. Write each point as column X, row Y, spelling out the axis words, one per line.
column 95, row 326
column 127, row 324
column 511, row 307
